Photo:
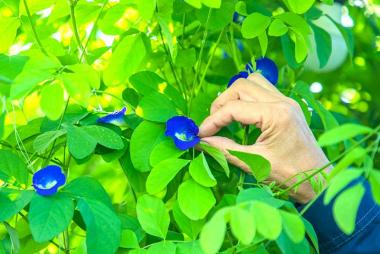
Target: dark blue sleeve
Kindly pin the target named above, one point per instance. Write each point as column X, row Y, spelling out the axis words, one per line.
column 364, row 240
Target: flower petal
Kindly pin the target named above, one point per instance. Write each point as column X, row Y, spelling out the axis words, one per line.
column 116, row 117
column 47, row 180
column 184, row 145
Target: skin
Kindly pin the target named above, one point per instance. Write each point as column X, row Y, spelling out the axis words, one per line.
column 286, row 139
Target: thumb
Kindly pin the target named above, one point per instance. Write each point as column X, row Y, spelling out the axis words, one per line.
column 225, row 144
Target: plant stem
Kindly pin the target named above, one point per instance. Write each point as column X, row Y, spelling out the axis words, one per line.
column 209, row 61
column 66, row 241
column 75, row 28
column 33, row 28
column 199, row 62
column 180, row 86
column 233, row 49
column 92, row 31
column 58, row 127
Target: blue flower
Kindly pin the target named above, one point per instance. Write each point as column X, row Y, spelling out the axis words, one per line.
column 266, row 67
column 237, row 18
column 116, row 117
column 183, row 131
column 242, row 74
column 47, row 180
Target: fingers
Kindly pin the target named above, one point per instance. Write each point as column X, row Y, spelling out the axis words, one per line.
column 225, row 145
column 240, row 111
column 246, row 90
column 259, row 79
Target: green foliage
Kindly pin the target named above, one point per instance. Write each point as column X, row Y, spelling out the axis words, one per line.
column 346, row 206
column 64, row 64
column 12, row 168
column 153, row 216
column 49, row 216
column 259, row 166
column 195, row 200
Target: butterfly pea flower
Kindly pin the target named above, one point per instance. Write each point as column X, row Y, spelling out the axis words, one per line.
column 116, row 117
column 238, row 18
column 47, row 180
column 183, row 131
column 266, row 67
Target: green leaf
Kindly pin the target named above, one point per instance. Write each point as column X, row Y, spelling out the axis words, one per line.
column 104, row 136
column 288, row 48
column 166, row 35
column 103, row 228
column 287, row 246
column 268, row 220
column 212, row 235
column 311, row 234
column 323, row 44
column 156, row 107
column 52, row 100
column 8, row 31
column 128, row 239
column 12, row 201
column 347, row 35
column 195, row 200
column 86, row 187
column 328, row 120
column 37, row 69
column 83, row 140
column 219, row 18
column 254, row 25
column 217, row 155
column 356, row 155
column 153, row 216
column 186, row 58
column 346, row 206
column 258, row 194
column 259, row 166
column 146, row 8
column 80, row 143
column 162, row 247
column 301, row 50
column 162, row 173
column 43, row 141
column 339, row 182
column 14, row 237
column 341, row 133
column 195, row 3
column 187, row 226
column 300, row 6
column 212, row 3
column 146, row 82
column 187, row 247
column 263, row 40
column 10, row 67
column 12, row 168
column 49, row 216
column 243, row 225
column 297, row 22
column 164, row 150
column 200, row 171
column 277, row 28
column 293, row 226
column 374, row 180
column 145, row 137
column 125, row 60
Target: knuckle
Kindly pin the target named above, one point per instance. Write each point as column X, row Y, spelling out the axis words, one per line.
column 285, row 112
column 239, row 84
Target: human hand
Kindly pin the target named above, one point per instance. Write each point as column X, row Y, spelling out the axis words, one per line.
column 286, row 139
